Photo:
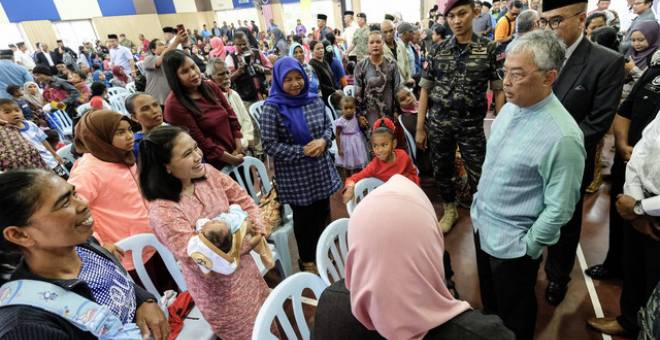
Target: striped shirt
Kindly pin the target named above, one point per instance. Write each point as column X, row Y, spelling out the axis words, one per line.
column 531, row 179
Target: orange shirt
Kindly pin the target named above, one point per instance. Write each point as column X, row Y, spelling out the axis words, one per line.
column 114, row 198
column 504, row 28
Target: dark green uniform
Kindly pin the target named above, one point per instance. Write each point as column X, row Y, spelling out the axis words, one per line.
column 457, row 79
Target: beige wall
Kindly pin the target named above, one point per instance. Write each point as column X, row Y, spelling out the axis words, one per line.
column 189, row 20
column 40, row 31
column 131, row 25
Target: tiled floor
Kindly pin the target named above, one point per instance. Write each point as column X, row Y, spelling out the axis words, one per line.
column 568, row 320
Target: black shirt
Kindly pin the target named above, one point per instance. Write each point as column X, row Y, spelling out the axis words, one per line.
column 642, row 104
column 334, row 320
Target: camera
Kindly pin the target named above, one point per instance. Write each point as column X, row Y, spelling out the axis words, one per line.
column 247, row 57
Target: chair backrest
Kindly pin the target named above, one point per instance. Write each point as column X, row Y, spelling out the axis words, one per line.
column 334, row 234
column 83, row 108
column 118, row 103
column 66, row 154
column 349, row 90
column 140, row 66
column 410, row 140
column 362, row 188
column 329, row 113
column 333, row 110
column 131, row 87
column 64, row 119
column 273, row 307
column 255, row 112
column 115, row 90
column 136, row 245
column 250, row 162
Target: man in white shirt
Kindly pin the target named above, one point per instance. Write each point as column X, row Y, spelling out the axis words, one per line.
column 22, row 57
column 640, row 204
column 350, row 26
column 121, row 56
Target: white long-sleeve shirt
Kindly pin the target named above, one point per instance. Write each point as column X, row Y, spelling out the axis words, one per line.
column 643, row 170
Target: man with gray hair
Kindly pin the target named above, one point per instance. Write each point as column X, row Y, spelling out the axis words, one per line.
column 527, row 21
column 530, row 181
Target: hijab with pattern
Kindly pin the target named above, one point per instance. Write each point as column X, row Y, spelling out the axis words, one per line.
column 94, row 134
column 400, row 217
column 650, row 30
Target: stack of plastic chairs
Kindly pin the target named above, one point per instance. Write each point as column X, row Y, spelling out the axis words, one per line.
column 60, row 121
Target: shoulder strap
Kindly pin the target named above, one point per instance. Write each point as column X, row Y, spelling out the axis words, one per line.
column 85, row 314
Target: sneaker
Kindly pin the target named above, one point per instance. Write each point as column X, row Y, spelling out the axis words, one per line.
column 449, row 217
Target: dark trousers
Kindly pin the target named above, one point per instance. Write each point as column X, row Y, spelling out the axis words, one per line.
column 309, row 221
column 561, row 256
column 445, row 133
column 614, row 259
column 641, row 273
column 507, row 289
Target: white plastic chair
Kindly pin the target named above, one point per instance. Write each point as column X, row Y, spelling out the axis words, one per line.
column 333, row 147
column 259, row 263
column 62, row 122
column 194, row 326
column 255, row 112
column 81, row 109
column 131, row 87
column 333, row 234
column 118, row 103
column 410, row 140
column 115, row 90
column 66, row 154
column 349, row 90
column 335, row 113
column 284, row 233
column 362, row 188
column 273, row 307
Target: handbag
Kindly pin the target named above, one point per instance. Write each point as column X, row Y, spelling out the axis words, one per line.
column 271, row 210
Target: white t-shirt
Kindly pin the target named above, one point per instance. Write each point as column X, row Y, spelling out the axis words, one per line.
column 121, row 56
column 24, row 59
column 36, row 136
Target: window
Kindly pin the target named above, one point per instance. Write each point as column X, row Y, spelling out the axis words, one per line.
column 75, row 33
column 11, row 34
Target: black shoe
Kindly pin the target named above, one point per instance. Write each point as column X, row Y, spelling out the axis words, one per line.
column 600, row 272
column 555, row 293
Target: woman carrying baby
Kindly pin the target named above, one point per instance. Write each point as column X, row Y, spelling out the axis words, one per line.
column 182, row 190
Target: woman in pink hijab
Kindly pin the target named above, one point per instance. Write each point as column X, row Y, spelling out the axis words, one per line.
column 394, row 285
column 217, row 49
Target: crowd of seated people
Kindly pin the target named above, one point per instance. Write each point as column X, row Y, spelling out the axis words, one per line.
column 114, row 138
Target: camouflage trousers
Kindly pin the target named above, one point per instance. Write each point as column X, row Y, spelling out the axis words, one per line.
column 446, row 132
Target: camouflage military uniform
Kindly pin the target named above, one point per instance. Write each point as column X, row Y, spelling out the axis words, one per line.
column 649, row 317
column 457, row 79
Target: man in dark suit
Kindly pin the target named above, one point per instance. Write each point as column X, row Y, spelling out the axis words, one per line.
column 46, row 57
column 589, row 86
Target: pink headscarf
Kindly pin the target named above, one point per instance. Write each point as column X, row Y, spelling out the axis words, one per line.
column 218, row 48
column 394, row 243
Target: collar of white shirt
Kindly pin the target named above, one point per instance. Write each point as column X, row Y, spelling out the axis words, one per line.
column 573, row 47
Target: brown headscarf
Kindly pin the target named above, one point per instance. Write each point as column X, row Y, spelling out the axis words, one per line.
column 94, row 133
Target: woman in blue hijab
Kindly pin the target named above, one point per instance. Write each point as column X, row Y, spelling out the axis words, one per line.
column 297, row 52
column 297, row 133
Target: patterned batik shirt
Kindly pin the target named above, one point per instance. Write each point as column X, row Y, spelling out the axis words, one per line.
column 376, row 86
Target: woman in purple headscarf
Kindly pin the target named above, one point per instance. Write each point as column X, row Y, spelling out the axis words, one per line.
column 644, row 42
column 296, row 133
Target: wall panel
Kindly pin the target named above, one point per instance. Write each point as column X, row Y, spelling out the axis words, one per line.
column 39, row 31
column 131, row 25
column 189, row 20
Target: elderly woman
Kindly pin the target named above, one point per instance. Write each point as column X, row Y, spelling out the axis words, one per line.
column 217, row 71
column 44, row 219
column 376, row 81
column 181, row 191
column 365, row 305
column 322, row 69
column 298, row 52
column 296, row 134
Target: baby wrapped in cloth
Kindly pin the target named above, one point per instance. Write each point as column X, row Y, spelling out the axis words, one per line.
column 218, row 249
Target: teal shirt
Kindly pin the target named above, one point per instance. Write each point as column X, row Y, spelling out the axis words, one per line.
column 530, row 181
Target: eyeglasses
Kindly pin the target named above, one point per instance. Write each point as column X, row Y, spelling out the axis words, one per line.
column 554, row 22
column 514, row 76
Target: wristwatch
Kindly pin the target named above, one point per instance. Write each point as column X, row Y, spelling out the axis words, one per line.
column 638, row 209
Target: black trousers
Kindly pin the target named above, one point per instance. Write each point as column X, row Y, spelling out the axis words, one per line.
column 507, row 289
column 309, row 221
column 561, row 256
column 641, row 273
column 614, row 259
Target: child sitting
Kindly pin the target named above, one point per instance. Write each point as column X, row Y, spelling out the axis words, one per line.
column 12, row 114
column 351, row 147
column 388, row 162
column 408, row 106
column 350, row 71
column 79, row 80
column 99, row 95
column 217, row 249
column 17, row 94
